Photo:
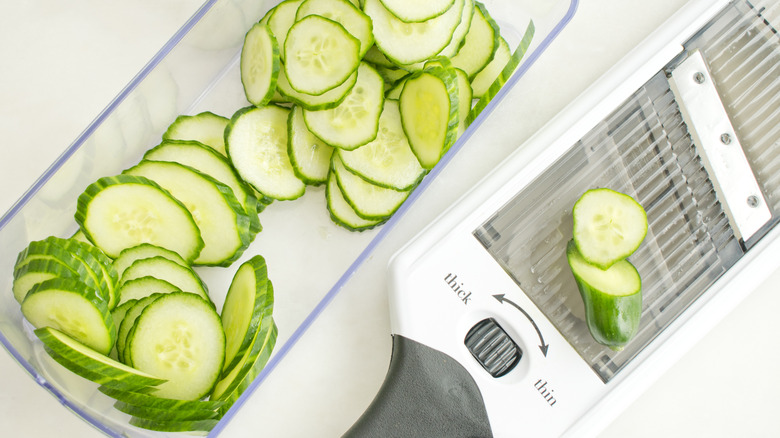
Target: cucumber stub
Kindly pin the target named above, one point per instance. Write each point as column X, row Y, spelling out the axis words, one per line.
column 608, row 226
column 612, row 298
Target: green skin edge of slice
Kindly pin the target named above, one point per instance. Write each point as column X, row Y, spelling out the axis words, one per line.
column 152, row 401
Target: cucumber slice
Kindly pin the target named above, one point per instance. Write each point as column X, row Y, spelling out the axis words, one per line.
column 608, row 226
column 459, row 35
column 282, row 19
column 123, row 211
column 409, row 43
column 205, row 160
column 465, row 94
column 223, row 223
column 346, row 14
column 206, row 127
column 98, row 267
column 118, row 314
column 376, row 57
column 179, row 337
column 341, row 212
column 162, row 403
column 249, row 300
column 257, row 147
column 144, row 251
column 415, row 10
column 150, row 413
column 388, row 160
column 141, row 287
column 319, row 55
column 369, row 201
column 73, row 308
column 162, row 268
column 91, row 364
column 429, row 113
column 260, row 64
column 174, row 426
column 354, row 122
column 127, row 324
column 329, row 99
column 612, row 298
column 37, row 271
column 479, row 44
column 485, row 77
column 309, row 156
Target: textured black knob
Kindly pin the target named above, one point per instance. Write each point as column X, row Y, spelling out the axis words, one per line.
column 492, row 347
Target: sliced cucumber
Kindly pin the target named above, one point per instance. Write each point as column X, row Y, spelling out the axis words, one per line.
column 612, row 298
column 157, row 414
column 141, row 287
column 223, row 223
column 128, row 322
column 144, row 251
column 73, row 308
column 485, row 77
column 174, row 426
column 99, row 267
column 154, row 401
column 341, row 212
column 479, row 44
column 36, row 271
column 429, row 113
column 91, row 364
column 249, row 300
column 179, row 337
column 206, row 127
column 465, row 95
column 369, row 201
column 409, row 43
column 123, row 211
column 319, row 55
column 329, row 99
column 608, row 226
column 282, row 19
column 414, row 10
column 309, row 156
column 257, row 147
column 459, row 35
column 163, row 268
column 354, row 122
column 260, row 64
column 346, row 14
column 388, row 160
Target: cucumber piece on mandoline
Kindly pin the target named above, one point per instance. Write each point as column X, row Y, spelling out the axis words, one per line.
column 123, row 211
column 206, row 127
column 91, row 364
column 309, row 156
column 178, row 337
column 223, row 223
column 429, row 113
column 70, row 306
column 612, row 298
column 249, row 300
column 260, row 64
column 608, row 226
column 257, row 147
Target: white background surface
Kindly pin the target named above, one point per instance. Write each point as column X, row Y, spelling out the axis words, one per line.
column 62, row 62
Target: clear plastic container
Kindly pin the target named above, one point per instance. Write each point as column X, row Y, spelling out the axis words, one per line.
column 323, row 371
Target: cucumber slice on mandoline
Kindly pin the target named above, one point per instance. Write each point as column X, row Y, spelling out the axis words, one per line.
column 409, row 43
column 612, row 298
column 329, row 99
column 309, row 156
column 73, row 308
column 85, row 361
column 341, row 212
column 429, row 113
column 608, row 226
column 260, row 64
column 388, row 160
column 257, row 147
column 249, row 300
column 141, row 287
column 319, row 55
column 281, row 20
column 144, row 251
column 180, row 276
column 205, row 160
column 354, row 122
column 223, row 223
column 479, row 44
column 206, row 127
column 346, row 14
column 179, row 337
column 415, row 10
column 123, row 211
column 369, row 201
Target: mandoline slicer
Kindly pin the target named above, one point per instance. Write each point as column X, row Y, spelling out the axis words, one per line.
column 489, row 337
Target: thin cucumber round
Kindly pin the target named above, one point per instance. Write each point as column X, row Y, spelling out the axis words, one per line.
column 163, row 268
column 354, row 122
column 388, row 160
column 144, row 251
column 309, row 156
column 158, row 414
column 459, row 35
column 485, row 77
column 346, row 14
column 257, row 148
column 141, row 287
column 281, row 20
column 319, row 55
column 179, row 337
column 206, row 127
column 608, row 226
column 174, row 425
column 36, row 271
column 465, row 95
column 479, row 44
column 157, row 402
column 368, row 200
column 128, row 322
column 98, row 266
column 415, row 10
column 341, row 212
column 260, row 64
column 125, row 210
column 329, row 99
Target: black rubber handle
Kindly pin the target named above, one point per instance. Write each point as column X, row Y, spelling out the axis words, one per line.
column 426, row 393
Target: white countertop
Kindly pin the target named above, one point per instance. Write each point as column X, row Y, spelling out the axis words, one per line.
column 64, row 61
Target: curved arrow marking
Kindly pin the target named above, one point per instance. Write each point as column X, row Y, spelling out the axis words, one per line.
column 543, row 346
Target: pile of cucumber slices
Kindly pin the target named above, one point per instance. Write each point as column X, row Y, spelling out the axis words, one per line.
column 361, row 97
column 608, row 227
